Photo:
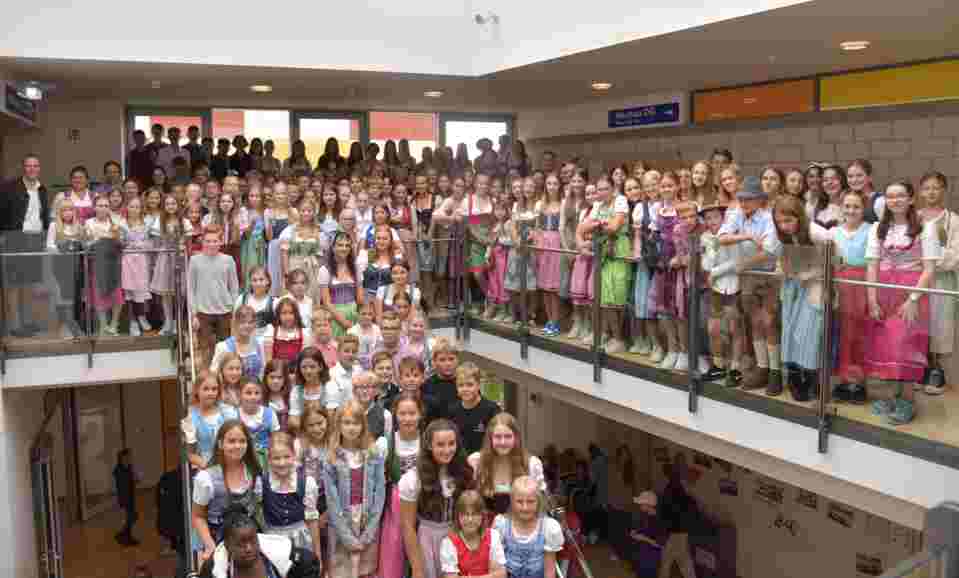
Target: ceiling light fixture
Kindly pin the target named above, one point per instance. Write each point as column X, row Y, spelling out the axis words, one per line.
column 261, row 88
column 602, row 85
column 31, row 92
column 854, row 45
column 433, row 94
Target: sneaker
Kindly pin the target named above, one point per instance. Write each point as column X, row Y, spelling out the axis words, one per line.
column 883, row 407
column 703, row 365
column 902, row 413
column 682, row 362
column 669, row 361
column 733, row 378
column 714, row 374
column 857, row 394
column 657, row 356
column 615, row 346
column 936, row 383
column 842, row 393
column 135, row 329
column 145, row 325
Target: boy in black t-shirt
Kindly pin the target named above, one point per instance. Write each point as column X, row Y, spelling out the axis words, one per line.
column 472, row 413
column 441, row 386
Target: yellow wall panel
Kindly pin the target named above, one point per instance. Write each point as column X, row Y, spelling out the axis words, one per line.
column 928, row 82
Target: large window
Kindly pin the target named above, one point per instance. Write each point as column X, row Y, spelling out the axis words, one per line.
column 145, row 120
column 314, row 128
column 421, row 129
column 254, row 123
column 470, row 130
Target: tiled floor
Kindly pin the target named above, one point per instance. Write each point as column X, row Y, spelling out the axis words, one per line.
column 90, row 550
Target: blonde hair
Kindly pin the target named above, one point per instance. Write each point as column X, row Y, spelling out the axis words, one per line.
column 468, row 370
column 354, row 410
column 445, row 345
column 528, row 484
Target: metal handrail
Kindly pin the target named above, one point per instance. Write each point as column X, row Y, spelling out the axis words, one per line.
column 78, row 253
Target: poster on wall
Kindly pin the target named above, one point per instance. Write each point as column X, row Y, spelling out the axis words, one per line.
column 769, row 492
column 808, row 499
column 868, row 565
column 841, row 514
column 728, row 487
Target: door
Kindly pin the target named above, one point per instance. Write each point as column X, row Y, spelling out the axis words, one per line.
column 315, row 128
column 49, row 534
column 100, row 437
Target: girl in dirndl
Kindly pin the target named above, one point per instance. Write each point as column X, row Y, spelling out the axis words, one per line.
column 403, row 450
column 549, row 272
column 339, row 290
column 945, row 225
column 427, row 493
column 355, row 495
column 106, row 294
column 275, row 220
column 472, row 548
column 899, row 252
column 500, row 257
column 478, row 214
column 573, row 271
column 662, row 293
column 290, row 497
column 168, row 231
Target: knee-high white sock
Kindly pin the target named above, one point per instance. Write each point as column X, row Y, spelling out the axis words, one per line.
column 774, row 360
column 762, row 356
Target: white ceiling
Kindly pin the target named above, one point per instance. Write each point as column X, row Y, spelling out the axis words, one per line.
column 788, row 42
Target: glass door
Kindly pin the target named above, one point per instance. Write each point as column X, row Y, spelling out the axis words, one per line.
column 99, row 427
column 316, row 128
column 49, row 536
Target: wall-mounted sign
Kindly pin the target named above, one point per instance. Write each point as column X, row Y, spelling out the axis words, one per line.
column 760, row 101
column 665, row 113
column 929, row 82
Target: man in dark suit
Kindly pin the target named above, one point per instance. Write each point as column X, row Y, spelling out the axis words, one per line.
column 24, row 218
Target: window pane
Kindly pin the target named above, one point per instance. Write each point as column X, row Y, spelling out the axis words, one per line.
column 263, row 124
column 315, row 131
column 419, row 128
column 145, row 123
column 469, row 132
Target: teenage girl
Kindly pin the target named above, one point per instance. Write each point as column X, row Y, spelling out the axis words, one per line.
column 355, row 494
column 795, row 184
column 702, row 190
column 243, row 342
column 801, row 299
column 312, row 385
column 644, row 211
column 290, row 497
column 258, row 418
column 581, row 278
column 230, row 375
column 662, row 295
column 258, row 297
column 135, row 267
column 337, row 281
column 65, row 235
column 376, row 264
column 531, row 539
column 277, row 379
column 103, row 235
column 403, row 449
column 478, row 214
column 232, row 478
column 451, row 215
column 275, row 219
column 301, row 246
column 194, row 216
column 285, row 340
column 253, row 246
column 427, row 493
column 608, row 217
column 415, row 342
column 833, row 184
column 771, row 180
column 233, row 218
column 424, row 202
column 899, row 252
column 207, row 414
column 503, row 459
column 498, row 288
column 168, row 232
column 472, row 548
column 849, row 241
column 368, row 333
column 945, row 226
column 549, row 270
column 813, row 181
column 688, row 219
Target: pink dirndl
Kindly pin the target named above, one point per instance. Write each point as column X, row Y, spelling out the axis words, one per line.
column 581, row 282
column 496, row 275
column 392, row 554
column 547, row 272
column 897, row 350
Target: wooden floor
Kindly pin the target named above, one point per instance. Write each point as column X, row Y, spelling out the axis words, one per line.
column 90, row 550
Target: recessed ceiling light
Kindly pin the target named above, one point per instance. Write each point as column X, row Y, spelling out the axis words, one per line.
column 854, row 45
column 602, row 85
column 434, row 93
column 261, row 88
column 155, row 84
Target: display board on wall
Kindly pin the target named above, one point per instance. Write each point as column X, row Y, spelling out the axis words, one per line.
column 759, row 101
column 653, row 114
column 928, row 82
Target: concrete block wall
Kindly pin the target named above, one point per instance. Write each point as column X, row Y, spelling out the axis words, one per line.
column 901, row 142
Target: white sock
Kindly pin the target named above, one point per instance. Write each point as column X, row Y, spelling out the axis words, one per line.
column 762, row 356
column 773, row 357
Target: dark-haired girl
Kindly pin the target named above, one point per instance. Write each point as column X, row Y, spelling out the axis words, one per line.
column 337, row 282
column 899, row 252
column 427, row 494
column 233, row 477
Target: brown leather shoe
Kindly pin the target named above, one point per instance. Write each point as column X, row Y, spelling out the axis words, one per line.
column 756, row 378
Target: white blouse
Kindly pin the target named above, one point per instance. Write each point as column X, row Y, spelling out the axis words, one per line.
column 409, row 486
column 449, row 560
column 553, row 532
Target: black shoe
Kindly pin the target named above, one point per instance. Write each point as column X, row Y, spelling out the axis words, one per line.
column 733, row 378
column 842, row 393
column 812, row 383
column 714, row 374
column 775, row 385
column 857, row 394
column 936, row 377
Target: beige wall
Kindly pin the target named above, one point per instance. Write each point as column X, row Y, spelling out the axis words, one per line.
column 901, row 142
column 100, row 122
